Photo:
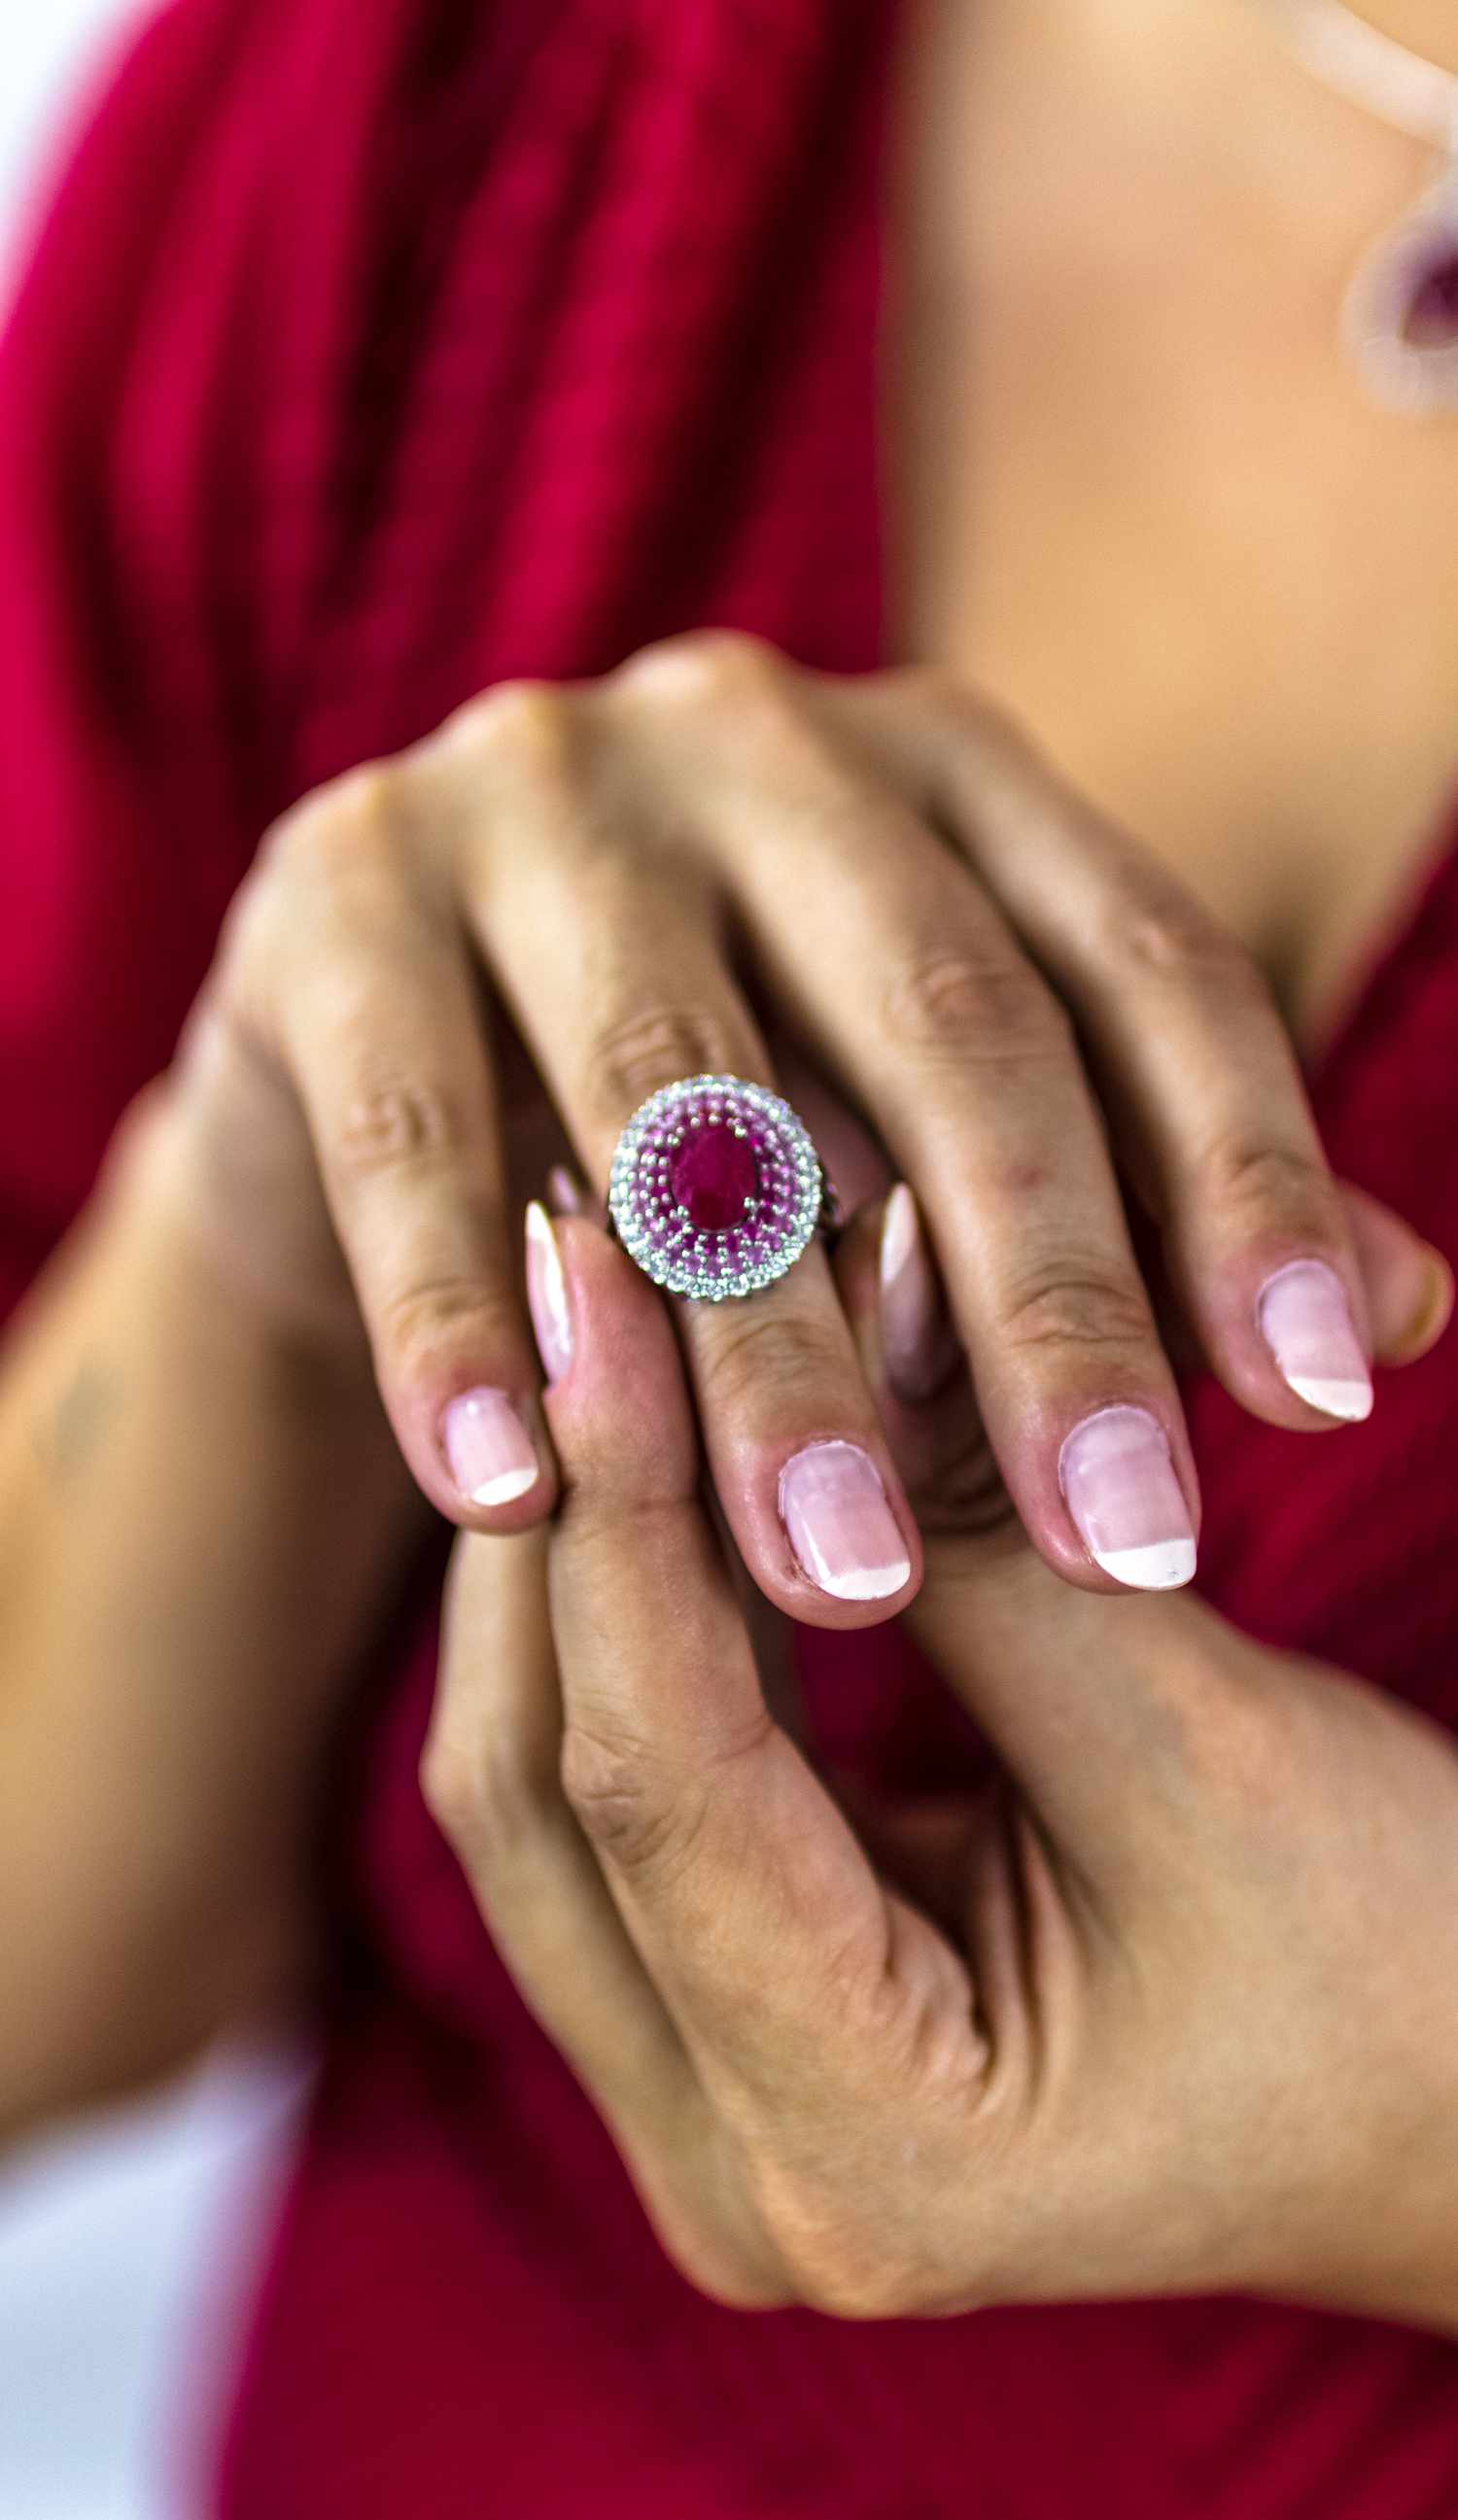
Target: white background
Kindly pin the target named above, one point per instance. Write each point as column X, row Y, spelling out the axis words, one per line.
column 125, row 2246
column 47, row 49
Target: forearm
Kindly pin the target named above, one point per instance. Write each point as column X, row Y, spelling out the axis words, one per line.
column 200, row 1529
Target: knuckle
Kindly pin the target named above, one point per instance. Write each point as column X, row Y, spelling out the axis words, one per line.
column 769, row 1352
column 253, row 937
column 484, row 1798
column 395, row 1124
column 308, row 864
column 332, row 873
column 629, row 1056
column 974, row 1007
column 448, row 1786
column 714, row 2244
column 1072, row 1304
column 416, row 1321
column 1170, row 938
column 638, row 1817
column 324, row 835
column 526, row 726
column 1285, row 1182
column 520, row 739
column 835, row 2258
column 697, row 665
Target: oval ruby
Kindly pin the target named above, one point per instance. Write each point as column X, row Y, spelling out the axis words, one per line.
column 714, row 1176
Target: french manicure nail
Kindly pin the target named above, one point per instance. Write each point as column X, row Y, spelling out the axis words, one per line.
column 567, row 1196
column 1117, row 1478
column 546, row 1294
column 1307, row 1323
column 915, row 1338
column 839, row 1523
column 491, row 1456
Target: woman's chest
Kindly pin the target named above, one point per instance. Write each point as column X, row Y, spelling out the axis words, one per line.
column 1143, row 502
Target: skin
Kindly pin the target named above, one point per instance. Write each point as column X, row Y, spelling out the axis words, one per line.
column 203, row 1525
column 1136, row 435
column 1074, row 2034
column 308, row 1242
column 349, row 1132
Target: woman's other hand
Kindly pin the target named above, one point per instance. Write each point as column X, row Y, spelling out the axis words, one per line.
column 682, row 867
column 1165, row 2007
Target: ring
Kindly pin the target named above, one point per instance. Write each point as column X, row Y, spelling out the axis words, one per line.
column 716, row 1188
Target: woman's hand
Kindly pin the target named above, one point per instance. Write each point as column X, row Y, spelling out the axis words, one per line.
column 1166, row 2006
column 685, row 866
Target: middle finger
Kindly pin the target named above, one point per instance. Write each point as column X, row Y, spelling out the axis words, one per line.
column 618, row 973
column 917, row 991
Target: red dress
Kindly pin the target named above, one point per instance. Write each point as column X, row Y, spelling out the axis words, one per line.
column 375, row 349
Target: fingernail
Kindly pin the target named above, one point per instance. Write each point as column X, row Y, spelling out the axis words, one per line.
column 1118, row 1481
column 915, row 1336
column 1435, row 1304
column 1307, row 1323
column 567, row 1196
column 546, row 1294
column 491, row 1456
column 839, row 1523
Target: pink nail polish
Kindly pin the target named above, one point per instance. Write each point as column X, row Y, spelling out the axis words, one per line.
column 1119, row 1482
column 915, row 1335
column 839, row 1523
column 546, row 1294
column 491, row 1456
column 1307, row 1323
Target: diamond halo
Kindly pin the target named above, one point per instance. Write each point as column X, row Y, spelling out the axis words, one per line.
column 739, row 1155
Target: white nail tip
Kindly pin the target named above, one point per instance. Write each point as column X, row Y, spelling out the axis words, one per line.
column 898, row 1233
column 865, row 1583
column 1350, row 1400
column 1157, row 1568
column 502, row 1490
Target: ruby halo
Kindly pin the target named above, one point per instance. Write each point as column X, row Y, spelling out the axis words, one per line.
column 716, row 1188
column 1403, row 313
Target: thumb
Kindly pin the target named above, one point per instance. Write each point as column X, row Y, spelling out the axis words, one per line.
column 1085, row 1697
column 1409, row 1283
